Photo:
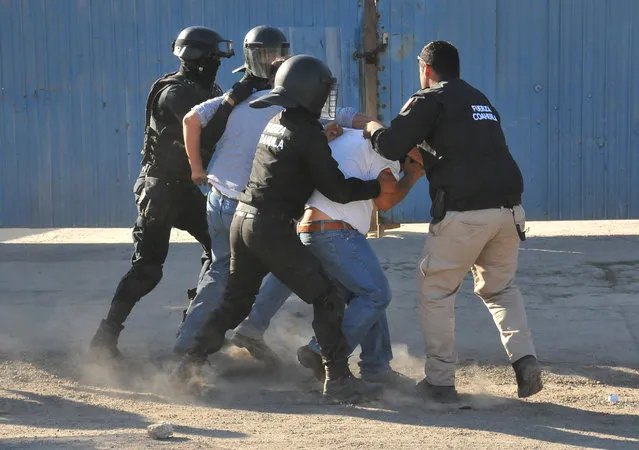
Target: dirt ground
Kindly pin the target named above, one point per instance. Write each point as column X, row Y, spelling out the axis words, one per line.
column 580, row 281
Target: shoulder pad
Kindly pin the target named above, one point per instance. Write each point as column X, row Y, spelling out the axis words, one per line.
column 157, row 87
column 408, row 105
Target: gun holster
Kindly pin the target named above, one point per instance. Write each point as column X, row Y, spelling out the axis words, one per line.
column 438, row 208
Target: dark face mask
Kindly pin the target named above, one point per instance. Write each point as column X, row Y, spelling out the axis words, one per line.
column 202, row 71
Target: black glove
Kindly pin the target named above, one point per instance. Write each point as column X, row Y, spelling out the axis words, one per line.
column 245, row 87
column 259, row 84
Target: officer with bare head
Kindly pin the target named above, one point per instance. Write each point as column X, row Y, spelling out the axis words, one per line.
column 478, row 220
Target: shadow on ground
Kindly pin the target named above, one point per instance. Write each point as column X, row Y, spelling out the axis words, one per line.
column 56, row 412
column 246, row 385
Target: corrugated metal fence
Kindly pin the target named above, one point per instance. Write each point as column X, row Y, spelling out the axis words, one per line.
column 563, row 75
column 75, row 73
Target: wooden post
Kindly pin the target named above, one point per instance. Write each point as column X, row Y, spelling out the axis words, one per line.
column 370, row 69
column 370, row 82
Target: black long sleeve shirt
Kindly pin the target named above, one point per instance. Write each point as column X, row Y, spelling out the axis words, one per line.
column 292, row 160
column 459, row 134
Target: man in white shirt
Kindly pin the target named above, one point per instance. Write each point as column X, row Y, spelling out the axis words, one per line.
column 336, row 234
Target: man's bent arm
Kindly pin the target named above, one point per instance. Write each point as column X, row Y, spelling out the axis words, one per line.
column 196, row 119
column 387, row 200
column 192, row 129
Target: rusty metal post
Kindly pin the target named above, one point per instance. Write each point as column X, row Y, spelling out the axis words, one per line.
column 370, row 81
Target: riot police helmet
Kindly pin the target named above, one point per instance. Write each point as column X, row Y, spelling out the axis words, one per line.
column 196, row 43
column 262, row 45
column 303, row 81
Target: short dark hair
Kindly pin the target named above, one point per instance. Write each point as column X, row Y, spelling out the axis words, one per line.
column 443, row 57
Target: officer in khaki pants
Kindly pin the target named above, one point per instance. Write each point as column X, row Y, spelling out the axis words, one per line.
column 478, row 220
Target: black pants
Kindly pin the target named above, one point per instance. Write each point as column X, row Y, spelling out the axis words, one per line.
column 263, row 244
column 161, row 205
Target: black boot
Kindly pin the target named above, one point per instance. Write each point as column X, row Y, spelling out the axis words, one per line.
column 343, row 386
column 104, row 344
column 528, row 374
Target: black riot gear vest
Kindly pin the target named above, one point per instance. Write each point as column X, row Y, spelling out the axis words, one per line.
column 163, row 148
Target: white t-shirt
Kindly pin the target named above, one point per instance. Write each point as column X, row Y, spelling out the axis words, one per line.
column 356, row 158
column 230, row 167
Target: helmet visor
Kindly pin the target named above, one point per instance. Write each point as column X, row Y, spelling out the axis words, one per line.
column 259, row 59
column 224, row 49
column 330, row 106
column 191, row 49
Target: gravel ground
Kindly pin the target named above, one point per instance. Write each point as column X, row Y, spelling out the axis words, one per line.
column 580, row 281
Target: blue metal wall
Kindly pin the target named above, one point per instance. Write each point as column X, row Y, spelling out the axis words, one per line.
column 75, row 74
column 563, row 75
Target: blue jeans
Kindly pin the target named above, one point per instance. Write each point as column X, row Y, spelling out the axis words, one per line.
column 210, row 289
column 347, row 257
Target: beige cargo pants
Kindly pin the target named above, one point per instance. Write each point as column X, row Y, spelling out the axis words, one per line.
column 487, row 242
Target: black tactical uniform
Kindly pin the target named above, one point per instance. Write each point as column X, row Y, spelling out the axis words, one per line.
column 292, row 160
column 164, row 193
column 458, row 132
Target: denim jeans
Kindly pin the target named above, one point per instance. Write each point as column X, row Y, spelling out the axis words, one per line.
column 210, row 290
column 346, row 256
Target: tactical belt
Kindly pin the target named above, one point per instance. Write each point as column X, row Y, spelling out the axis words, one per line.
column 251, row 212
column 151, row 170
column 319, row 226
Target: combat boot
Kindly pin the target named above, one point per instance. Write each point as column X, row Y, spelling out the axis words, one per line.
column 350, row 389
column 104, row 344
column 528, row 374
column 343, row 386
